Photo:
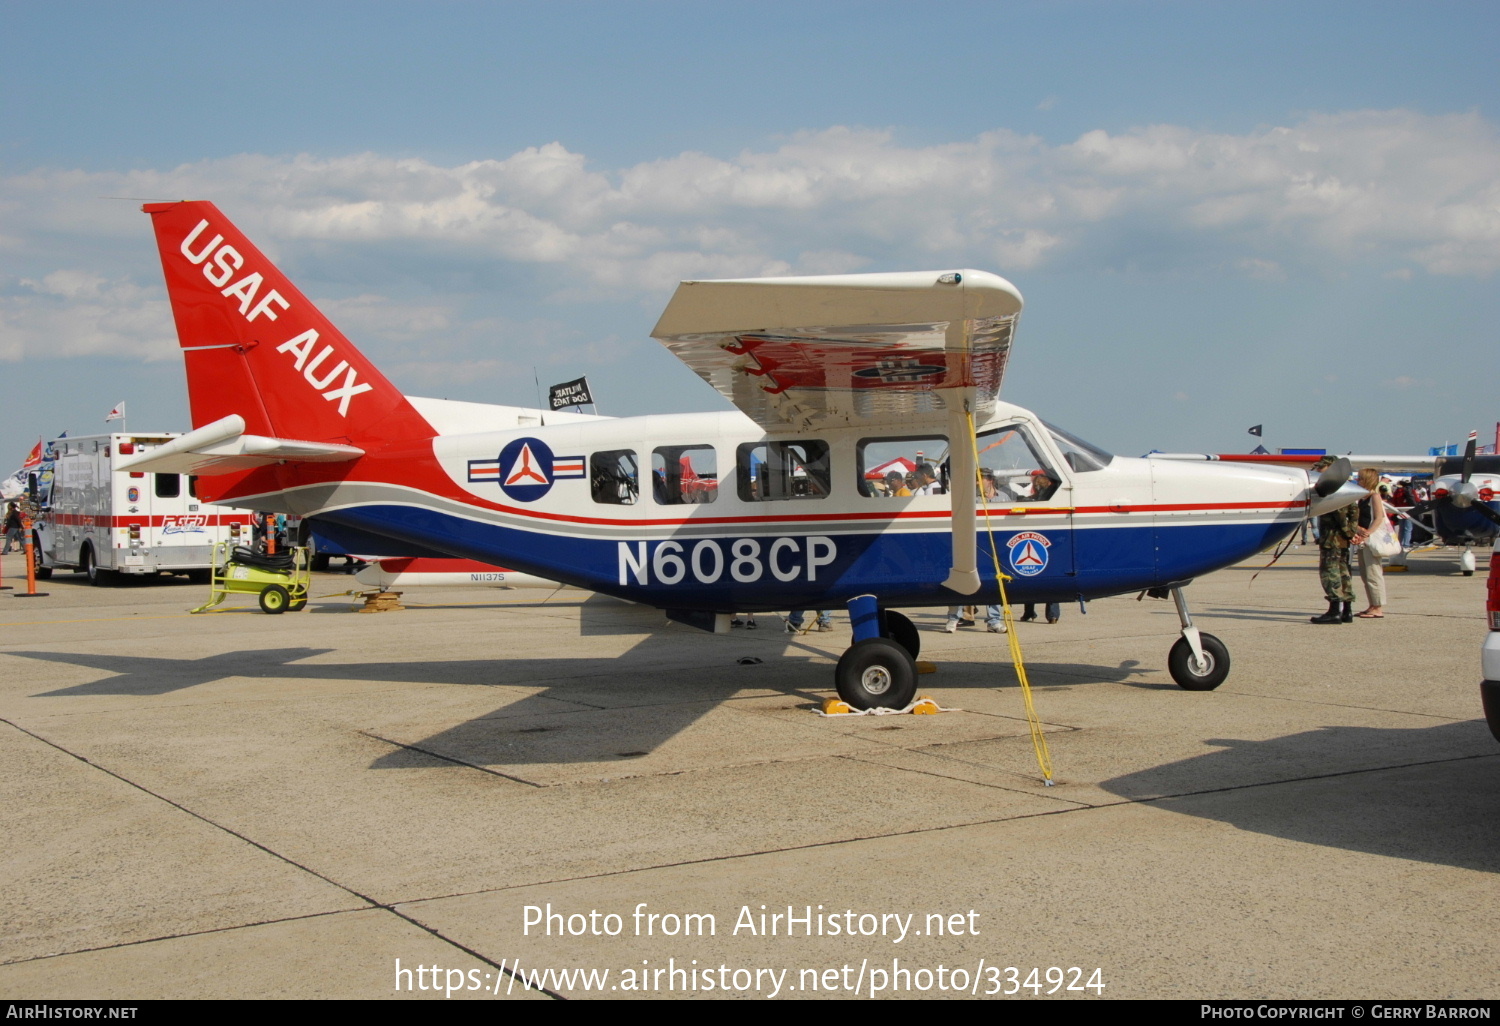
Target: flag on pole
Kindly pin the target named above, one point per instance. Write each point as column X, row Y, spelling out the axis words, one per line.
column 570, row 393
column 34, row 458
column 1256, row 430
column 118, row 413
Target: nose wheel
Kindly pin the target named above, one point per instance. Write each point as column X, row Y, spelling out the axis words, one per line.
column 1197, row 661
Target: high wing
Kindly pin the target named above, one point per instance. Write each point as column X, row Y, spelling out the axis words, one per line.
column 846, row 348
column 223, row 446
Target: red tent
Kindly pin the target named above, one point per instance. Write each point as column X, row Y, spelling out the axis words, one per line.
column 900, row 465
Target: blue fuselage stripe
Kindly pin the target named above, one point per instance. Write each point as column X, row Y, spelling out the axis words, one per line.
column 806, row 571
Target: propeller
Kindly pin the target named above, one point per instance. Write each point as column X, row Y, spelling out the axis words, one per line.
column 1334, row 477
column 1465, row 496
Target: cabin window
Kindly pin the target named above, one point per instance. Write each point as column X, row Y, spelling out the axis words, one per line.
column 1081, row 456
column 614, row 477
column 901, row 467
column 684, row 474
column 783, row 470
column 1013, row 466
column 168, row 486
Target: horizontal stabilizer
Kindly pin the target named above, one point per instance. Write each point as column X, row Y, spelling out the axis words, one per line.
column 223, row 447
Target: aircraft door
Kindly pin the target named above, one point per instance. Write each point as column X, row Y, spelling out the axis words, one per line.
column 1030, row 503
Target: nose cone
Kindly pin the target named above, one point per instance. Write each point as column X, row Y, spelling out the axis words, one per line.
column 1348, row 493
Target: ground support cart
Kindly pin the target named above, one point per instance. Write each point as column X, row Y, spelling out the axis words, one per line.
column 280, row 580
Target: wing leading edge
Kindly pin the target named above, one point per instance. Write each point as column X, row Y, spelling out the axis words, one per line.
column 848, row 348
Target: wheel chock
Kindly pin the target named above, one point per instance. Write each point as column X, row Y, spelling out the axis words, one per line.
column 378, row 601
column 923, row 666
column 924, row 706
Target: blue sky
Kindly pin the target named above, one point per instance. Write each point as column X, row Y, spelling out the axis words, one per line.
column 1220, row 214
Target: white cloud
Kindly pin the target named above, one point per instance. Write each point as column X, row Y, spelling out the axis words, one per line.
column 1333, row 192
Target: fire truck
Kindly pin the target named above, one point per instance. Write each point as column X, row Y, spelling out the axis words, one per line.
column 99, row 521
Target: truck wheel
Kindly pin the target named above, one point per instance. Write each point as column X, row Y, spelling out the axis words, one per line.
column 275, row 599
column 42, row 572
column 98, row 577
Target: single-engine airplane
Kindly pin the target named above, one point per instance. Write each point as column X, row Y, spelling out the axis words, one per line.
column 1464, row 507
column 707, row 514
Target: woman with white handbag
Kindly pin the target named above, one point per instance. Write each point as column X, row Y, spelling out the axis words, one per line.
column 1377, row 541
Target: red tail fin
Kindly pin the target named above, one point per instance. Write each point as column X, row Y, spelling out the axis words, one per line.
column 254, row 344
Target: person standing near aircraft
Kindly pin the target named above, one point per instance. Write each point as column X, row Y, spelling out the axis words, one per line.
column 13, row 530
column 1335, row 531
column 895, row 485
column 1371, row 516
column 823, row 620
column 1054, row 612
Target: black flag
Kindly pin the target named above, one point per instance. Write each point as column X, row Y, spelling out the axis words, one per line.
column 570, row 393
column 1256, row 430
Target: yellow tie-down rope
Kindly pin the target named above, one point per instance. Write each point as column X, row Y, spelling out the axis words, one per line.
column 1038, row 739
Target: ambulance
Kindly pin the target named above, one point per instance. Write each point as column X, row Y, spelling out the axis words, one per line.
column 103, row 522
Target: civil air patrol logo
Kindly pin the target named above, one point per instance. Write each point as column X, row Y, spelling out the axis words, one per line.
column 1028, row 553
column 526, row 469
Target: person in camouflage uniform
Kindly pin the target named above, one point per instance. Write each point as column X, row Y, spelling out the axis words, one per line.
column 1336, row 530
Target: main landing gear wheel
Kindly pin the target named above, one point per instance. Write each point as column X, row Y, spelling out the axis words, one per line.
column 1192, row 676
column 275, row 599
column 876, row 673
column 901, row 630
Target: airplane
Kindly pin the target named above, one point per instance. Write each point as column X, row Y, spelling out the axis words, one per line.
column 1463, row 504
column 704, row 515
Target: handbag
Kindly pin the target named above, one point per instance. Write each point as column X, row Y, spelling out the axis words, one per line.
column 1382, row 541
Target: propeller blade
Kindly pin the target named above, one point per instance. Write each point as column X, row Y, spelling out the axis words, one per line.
column 1421, row 509
column 1484, row 508
column 1334, row 477
column 1469, row 456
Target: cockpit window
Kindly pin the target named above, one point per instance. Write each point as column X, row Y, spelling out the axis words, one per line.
column 1012, row 467
column 1081, row 456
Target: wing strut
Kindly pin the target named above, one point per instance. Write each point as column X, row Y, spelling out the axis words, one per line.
column 963, row 575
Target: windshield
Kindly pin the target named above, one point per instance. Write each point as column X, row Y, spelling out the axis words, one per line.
column 1081, row 456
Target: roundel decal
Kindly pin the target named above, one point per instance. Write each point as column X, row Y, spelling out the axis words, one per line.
column 1028, row 553
column 526, row 469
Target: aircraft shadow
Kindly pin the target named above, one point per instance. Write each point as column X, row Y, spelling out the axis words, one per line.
column 1434, row 804
column 586, row 710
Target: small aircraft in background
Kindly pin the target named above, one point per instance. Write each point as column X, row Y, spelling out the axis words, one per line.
column 1465, row 503
column 706, row 515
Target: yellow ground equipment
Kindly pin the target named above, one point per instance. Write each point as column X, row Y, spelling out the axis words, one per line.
column 280, row 580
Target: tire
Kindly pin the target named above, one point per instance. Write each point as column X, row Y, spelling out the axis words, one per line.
column 41, row 572
column 876, row 673
column 98, row 577
column 1180, row 664
column 1489, row 692
column 275, row 599
column 901, row 630
column 1468, row 573
column 200, row 576
column 319, row 563
column 297, row 605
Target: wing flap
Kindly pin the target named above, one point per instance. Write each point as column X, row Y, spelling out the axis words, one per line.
column 223, row 447
column 846, row 348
